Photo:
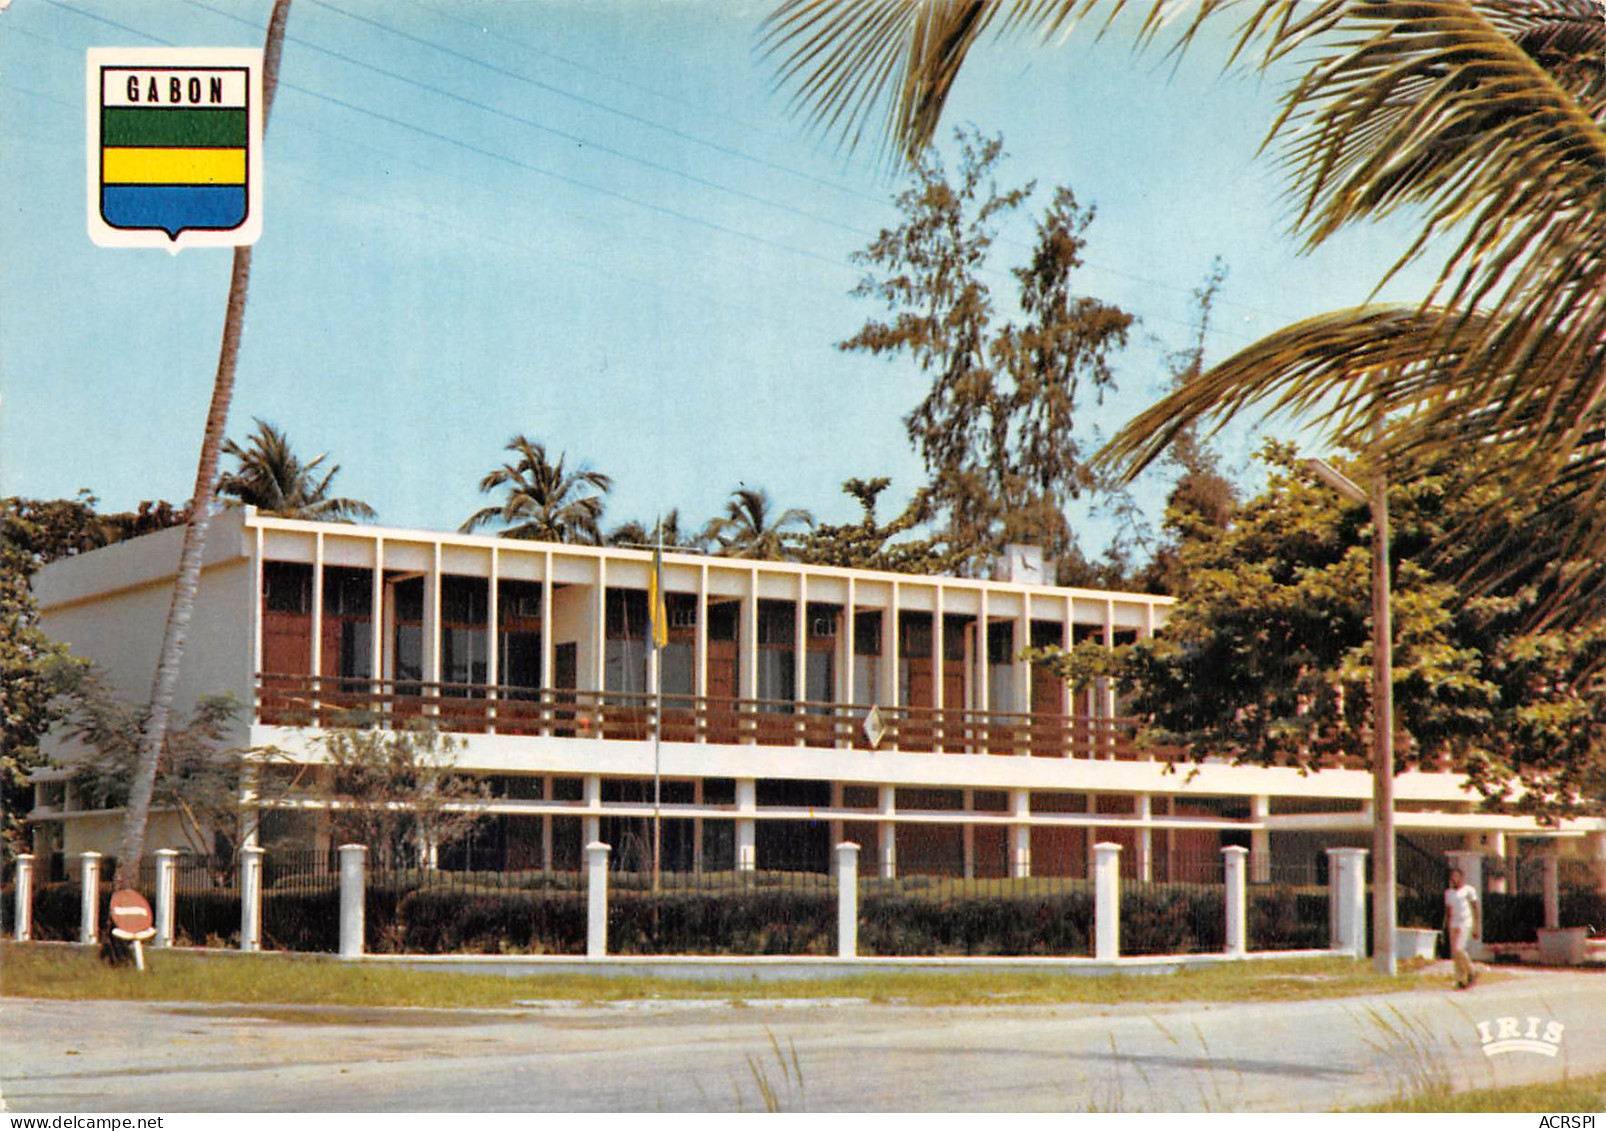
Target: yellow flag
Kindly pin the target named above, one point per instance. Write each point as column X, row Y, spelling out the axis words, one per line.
column 655, row 601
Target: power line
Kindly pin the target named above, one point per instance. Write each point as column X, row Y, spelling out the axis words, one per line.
column 533, row 123
column 999, row 283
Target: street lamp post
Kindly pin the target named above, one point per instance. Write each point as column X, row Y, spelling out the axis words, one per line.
column 1383, row 871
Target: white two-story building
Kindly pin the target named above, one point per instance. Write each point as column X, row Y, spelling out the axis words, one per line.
column 535, row 655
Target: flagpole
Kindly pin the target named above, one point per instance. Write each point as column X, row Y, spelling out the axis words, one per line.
column 658, row 705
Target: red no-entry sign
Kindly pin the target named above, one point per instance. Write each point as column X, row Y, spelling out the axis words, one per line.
column 130, row 912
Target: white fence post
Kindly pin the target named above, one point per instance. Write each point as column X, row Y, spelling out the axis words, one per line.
column 1552, row 868
column 251, row 897
column 847, row 900
column 1237, row 903
column 353, row 893
column 166, row 889
column 1106, row 901
column 597, row 899
column 1346, row 914
column 22, row 924
column 89, row 902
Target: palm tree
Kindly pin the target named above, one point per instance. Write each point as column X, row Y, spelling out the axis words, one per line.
column 638, row 534
column 749, row 529
column 272, row 479
column 544, row 502
column 1487, row 118
column 188, row 581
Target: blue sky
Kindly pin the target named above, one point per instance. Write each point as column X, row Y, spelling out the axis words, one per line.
column 597, row 224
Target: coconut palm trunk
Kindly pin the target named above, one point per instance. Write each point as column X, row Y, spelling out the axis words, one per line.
column 163, row 687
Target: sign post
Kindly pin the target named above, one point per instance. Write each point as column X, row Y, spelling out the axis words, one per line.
column 132, row 921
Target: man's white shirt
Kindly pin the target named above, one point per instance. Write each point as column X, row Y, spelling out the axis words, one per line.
column 1460, row 902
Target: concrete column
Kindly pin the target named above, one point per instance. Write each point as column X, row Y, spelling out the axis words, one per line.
column 546, row 823
column 166, row 891
column 746, row 825
column 887, row 834
column 697, row 829
column 89, row 904
column 1552, row 868
column 1346, row 870
column 591, row 824
column 1020, row 834
column 1091, row 833
column 251, row 898
column 1471, row 865
column 968, row 836
column 22, row 923
column 1498, row 864
column 1145, row 811
column 596, row 899
column 1106, row 901
column 1260, row 842
column 847, row 900
column 1237, row 901
column 353, row 892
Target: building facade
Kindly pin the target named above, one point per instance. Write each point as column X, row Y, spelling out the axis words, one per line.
column 793, row 707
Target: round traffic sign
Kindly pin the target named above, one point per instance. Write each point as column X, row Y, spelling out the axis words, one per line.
column 130, row 912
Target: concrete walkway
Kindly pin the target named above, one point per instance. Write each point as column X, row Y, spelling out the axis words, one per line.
column 837, row 1055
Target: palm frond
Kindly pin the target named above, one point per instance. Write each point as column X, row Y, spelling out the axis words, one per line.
column 1334, row 371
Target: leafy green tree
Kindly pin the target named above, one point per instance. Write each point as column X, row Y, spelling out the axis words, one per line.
column 34, row 533
column 996, row 430
column 198, row 777
column 750, row 528
column 1267, row 655
column 28, row 706
column 543, row 501
column 868, row 544
column 272, row 478
column 1486, row 119
column 396, row 791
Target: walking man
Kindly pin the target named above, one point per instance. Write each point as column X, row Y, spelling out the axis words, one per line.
column 1461, row 912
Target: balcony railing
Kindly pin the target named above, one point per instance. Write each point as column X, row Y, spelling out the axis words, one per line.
column 325, row 701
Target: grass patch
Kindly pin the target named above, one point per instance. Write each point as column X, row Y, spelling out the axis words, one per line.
column 68, row 973
column 1582, row 1093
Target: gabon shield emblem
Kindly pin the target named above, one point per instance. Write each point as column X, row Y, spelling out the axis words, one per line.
column 175, row 147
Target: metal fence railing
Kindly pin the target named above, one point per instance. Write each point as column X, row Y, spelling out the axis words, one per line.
column 1288, row 908
column 750, row 913
column 945, row 915
column 1176, row 916
column 435, row 911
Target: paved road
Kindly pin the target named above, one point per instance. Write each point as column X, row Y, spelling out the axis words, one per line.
column 1312, row 1055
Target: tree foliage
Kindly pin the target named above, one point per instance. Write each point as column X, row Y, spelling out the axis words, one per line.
column 543, row 500
column 395, row 791
column 996, row 427
column 1483, row 120
column 640, row 534
column 33, row 533
column 272, row 478
column 869, row 544
column 198, row 775
column 752, row 527
column 1267, row 655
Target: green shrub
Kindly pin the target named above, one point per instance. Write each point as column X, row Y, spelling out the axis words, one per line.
column 491, row 920
column 1287, row 918
column 1173, row 919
